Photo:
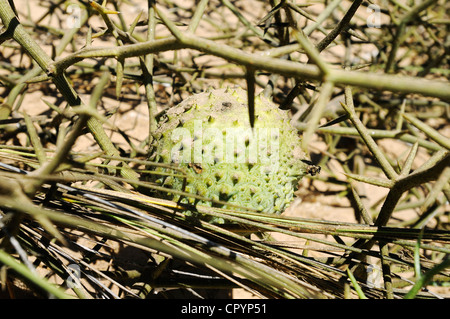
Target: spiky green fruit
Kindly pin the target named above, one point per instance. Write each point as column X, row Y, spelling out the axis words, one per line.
column 209, row 135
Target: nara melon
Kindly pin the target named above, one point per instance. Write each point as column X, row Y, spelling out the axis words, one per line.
column 209, row 136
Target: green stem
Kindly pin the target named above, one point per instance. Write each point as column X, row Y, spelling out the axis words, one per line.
column 401, row 29
column 408, row 182
column 58, row 77
column 429, row 131
column 364, row 133
column 340, row 27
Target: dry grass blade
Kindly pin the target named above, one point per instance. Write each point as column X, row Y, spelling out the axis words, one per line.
column 81, row 215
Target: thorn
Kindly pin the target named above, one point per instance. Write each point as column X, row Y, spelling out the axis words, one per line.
column 101, row 8
column 339, row 119
column 250, row 78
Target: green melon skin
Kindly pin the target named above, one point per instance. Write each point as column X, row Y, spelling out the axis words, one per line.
column 210, row 137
